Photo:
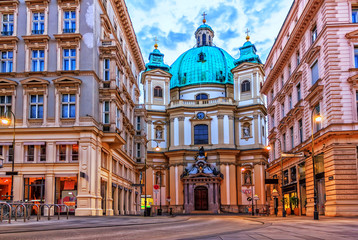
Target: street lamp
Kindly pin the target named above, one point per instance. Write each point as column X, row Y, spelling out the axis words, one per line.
column 315, row 119
column 157, row 148
column 252, row 190
column 256, row 198
column 275, row 195
column 7, row 121
column 268, row 148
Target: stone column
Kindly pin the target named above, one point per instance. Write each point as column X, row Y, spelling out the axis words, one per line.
column 181, row 131
column 221, row 129
column 115, row 202
column 122, row 201
column 49, row 193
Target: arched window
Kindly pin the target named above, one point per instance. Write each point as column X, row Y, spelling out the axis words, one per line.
column 201, row 96
column 201, row 135
column 204, row 39
column 245, row 86
column 158, row 92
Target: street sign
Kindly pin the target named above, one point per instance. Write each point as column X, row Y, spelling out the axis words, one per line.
column 156, row 186
column 249, row 199
column 271, row 181
column 11, row 173
column 288, row 155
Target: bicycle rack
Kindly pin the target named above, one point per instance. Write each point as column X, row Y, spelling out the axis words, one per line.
column 29, row 209
column 24, row 209
column 2, row 205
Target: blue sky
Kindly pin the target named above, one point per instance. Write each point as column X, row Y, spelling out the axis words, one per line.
column 174, row 22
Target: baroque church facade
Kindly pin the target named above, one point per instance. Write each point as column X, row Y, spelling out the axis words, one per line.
column 206, row 114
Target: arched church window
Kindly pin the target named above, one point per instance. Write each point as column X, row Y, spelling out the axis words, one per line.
column 245, row 86
column 201, row 135
column 247, row 177
column 246, row 130
column 201, row 96
column 158, row 92
column 159, row 133
column 204, row 39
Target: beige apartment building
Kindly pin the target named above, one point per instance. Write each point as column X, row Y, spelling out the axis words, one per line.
column 311, row 71
column 69, row 72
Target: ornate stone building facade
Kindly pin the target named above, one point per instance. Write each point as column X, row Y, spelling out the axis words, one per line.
column 206, row 99
column 69, row 71
column 312, row 70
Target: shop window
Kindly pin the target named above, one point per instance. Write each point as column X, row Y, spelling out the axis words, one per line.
column 293, row 174
column 38, row 23
column 285, row 177
column 66, row 193
column 201, row 135
column 34, row 189
column 5, row 104
column 7, row 25
column 5, row 188
column 319, row 164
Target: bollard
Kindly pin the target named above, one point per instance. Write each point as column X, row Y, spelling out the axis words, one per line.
column 170, row 211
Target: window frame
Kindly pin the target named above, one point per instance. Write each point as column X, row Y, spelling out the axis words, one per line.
column 69, row 103
column 105, row 112
column 313, row 67
column 106, row 69
column 71, row 21
column 38, row 23
column 314, row 34
column 38, row 60
column 201, row 140
column 37, row 106
column 69, row 58
column 246, row 86
column 8, row 61
column 158, row 92
column 5, row 105
column 354, row 14
column 11, row 24
column 355, row 51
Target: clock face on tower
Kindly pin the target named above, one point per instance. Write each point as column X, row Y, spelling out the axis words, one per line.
column 200, row 115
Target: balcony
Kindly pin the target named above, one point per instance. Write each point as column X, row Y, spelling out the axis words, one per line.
column 7, row 33
column 201, row 103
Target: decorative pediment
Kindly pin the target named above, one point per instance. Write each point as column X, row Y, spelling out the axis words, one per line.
column 353, row 36
column 296, row 77
column 66, row 3
column 68, row 39
column 246, row 119
column 36, row 5
column 159, row 122
column 353, row 80
column 8, row 5
column 34, row 81
column 247, row 66
column 67, row 81
column 158, row 72
column 7, row 82
column 312, row 54
column 315, row 93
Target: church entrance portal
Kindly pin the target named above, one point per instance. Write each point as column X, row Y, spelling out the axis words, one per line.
column 201, row 198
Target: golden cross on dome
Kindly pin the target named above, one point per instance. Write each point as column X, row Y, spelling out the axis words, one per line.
column 204, row 14
column 156, row 42
column 247, row 35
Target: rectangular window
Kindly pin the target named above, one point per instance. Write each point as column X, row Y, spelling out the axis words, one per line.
column 5, row 104
column 74, row 152
column 282, row 110
column 293, row 174
column 300, row 128
column 274, row 151
column 290, row 101
column 38, row 60
column 36, row 106
column 69, row 22
column 357, row 101
column 38, row 23
column 314, row 34
column 106, row 70
column 106, row 112
column 317, row 113
column 314, row 72
column 61, row 153
column 42, row 153
column 138, row 124
column 282, row 81
column 118, row 76
column 289, row 69
column 356, row 57
column 30, row 153
column 7, row 24
column 138, row 150
column 298, row 89
column 272, row 95
column 284, row 142
column 10, row 155
column 285, row 177
column 118, row 118
column 69, row 59
column 354, row 15
column 292, row 138
column 68, row 106
column 6, row 61
column 298, row 59
column 273, row 120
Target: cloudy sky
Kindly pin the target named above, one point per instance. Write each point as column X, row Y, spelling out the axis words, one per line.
column 174, row 22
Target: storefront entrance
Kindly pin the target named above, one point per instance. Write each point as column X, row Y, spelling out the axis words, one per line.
column 34, row 189
column 66, row 192
column 104, row 196
column 201, row 198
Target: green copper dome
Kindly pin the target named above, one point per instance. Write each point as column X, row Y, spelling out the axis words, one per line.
column 202, row 65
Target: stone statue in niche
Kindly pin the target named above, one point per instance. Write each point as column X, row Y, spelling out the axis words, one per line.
column 246, row 130
column 159, row 133
column 247, row 178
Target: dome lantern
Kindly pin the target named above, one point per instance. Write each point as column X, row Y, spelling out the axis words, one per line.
column 204, row 34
